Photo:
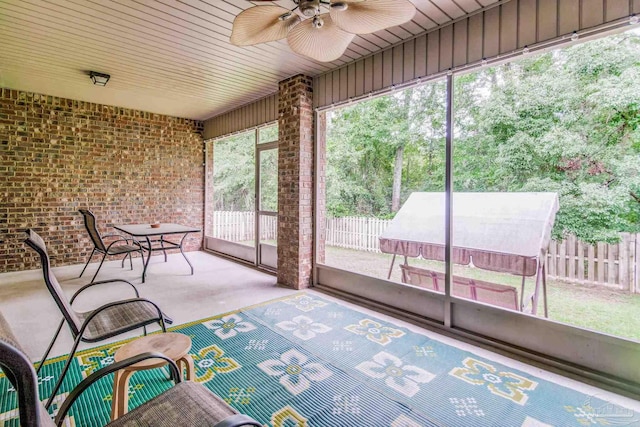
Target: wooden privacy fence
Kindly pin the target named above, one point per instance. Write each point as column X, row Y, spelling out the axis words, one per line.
column 614, row 265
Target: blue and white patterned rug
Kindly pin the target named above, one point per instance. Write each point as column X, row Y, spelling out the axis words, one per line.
column 308, row 361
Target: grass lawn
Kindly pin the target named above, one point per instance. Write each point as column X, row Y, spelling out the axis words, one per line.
column 598, row 308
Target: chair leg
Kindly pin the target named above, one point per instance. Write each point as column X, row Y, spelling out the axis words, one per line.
column 99, row 267
column 127, row 255
column 170, row 376
column 46, row 353
column 89, row 260
column 64, row 372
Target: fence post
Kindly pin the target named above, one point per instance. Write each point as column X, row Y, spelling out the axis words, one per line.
column 636, row 272
column 591, row 271
column 623, row 260
column 600, row 250
column 224, row 228
column 571, row 259
column 580, row 262
column 553, row 258
column 611, row 263
column 562, row 261
column 331, row 232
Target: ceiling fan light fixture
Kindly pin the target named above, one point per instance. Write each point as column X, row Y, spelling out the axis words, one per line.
column 318, row 22
column 309, row 8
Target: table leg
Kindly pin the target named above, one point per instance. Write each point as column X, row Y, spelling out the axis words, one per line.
column 120, row 396
column 182, row 252
column 186, row 363
column 146, row 262
column 163, row 249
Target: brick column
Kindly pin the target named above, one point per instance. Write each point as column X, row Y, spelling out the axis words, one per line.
column 295, row 182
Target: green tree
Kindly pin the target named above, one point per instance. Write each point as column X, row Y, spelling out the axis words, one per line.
column 381, row 150
column 234, row 173
column 566, row 121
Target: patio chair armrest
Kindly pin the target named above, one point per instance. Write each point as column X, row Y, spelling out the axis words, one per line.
column 102, row 282
column 95, row 312
column 126, row 240
column 119, row 236
column 122, row 237
column 102, row 372
column 238, row 420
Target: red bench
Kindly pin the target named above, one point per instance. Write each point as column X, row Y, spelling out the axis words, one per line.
column 463, row 287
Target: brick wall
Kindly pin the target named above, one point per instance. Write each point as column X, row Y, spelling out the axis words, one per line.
column 295, row 182
column 127, row 166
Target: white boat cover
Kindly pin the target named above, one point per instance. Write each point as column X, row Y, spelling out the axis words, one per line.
column 505, row 232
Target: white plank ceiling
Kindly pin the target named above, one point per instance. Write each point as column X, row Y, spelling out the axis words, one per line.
column 167, row 56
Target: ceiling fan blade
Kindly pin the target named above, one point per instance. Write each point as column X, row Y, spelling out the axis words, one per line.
column 261, row 24
column 325, row 43
column 369, row 16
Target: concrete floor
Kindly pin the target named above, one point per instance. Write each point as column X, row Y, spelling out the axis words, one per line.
column 217, row 286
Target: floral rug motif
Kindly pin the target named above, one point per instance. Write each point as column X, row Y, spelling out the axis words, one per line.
column 306, row 361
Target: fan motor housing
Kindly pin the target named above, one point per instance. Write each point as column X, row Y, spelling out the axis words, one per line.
column 309, row 7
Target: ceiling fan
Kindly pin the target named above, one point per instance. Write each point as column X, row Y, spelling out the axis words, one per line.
column 321, row 36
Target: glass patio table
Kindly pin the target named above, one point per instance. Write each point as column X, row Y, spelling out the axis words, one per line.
column 155, row 239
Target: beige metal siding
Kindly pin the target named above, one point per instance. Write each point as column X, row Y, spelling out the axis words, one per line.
column 493, row 32
column 527, row 22
column 359, row 91
column 568, row 16
column 615, row 9
column 420, row 58
column 398, row 61
column 409, row 55
column 509, row 26
column 474, row 39
column 262, row 111
column 433, row 53
column 591, row 13
column 547, row 19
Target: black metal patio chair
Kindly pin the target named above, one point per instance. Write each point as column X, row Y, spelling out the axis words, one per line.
column 185, row 404
column 106, row 321
column 116, row 247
